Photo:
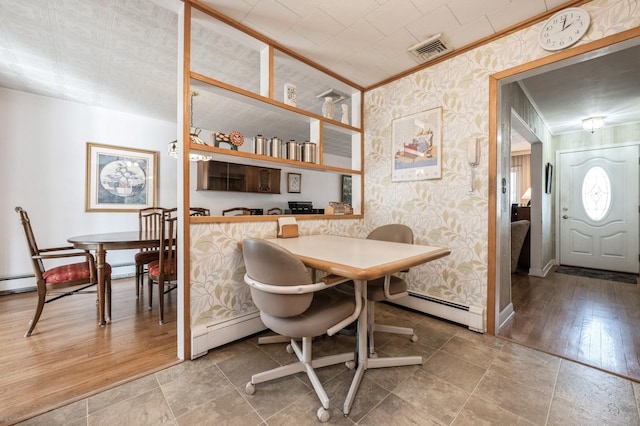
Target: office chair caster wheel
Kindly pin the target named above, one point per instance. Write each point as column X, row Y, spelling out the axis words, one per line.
column 323, row 415
column 250, row 388
column 289, row 348
column 414, row 338
column 350, row 365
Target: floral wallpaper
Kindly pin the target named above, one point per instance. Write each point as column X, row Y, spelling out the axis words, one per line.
column 442, row 212
column 218, row 292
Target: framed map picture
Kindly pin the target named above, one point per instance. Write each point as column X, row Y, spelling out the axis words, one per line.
column 120, row 179
column 417, row 146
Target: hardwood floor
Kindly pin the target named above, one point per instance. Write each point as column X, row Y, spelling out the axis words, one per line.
column 69, row 357
column 588, row 320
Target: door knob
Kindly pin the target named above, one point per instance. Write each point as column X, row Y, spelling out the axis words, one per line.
column 564, row 216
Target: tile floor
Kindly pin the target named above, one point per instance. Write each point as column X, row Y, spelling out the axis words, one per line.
column 466, row 378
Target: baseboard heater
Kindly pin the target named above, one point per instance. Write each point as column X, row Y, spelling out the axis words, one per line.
column 205, row 337
column 470, row 316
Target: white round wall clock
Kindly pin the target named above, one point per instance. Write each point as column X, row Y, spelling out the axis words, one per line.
column 564, row 29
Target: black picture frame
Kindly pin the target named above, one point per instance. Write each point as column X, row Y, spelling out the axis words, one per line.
column 548, row 177
column 347, row 191
column 294, row 183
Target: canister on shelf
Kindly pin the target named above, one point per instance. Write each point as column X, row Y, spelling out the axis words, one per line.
column 309, row 152
column 275, row 147
column 293, row 152
column 260, row 145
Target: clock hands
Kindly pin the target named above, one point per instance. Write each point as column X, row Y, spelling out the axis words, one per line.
column 564, row 23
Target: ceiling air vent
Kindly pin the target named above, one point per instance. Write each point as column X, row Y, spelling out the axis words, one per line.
column 429, row 49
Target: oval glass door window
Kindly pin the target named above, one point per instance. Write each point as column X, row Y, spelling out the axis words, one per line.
column 596, row 193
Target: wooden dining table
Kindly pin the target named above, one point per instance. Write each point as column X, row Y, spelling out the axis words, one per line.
column 361, row 260
column 100, row 244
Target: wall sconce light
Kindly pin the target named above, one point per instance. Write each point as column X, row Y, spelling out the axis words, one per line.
column 592, row 124
column 173, row 149
column 193, row 137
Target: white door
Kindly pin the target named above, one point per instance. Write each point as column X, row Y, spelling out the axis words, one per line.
column 598, row 208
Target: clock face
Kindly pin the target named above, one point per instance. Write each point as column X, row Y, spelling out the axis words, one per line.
column 564, row 29
column 294, row 182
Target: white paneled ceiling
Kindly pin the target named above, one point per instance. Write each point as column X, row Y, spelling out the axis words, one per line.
column 122, row 54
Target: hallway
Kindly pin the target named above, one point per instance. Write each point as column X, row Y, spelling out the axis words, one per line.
column 591, row 321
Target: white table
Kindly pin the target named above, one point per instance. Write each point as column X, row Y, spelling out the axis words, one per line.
column 361, row 260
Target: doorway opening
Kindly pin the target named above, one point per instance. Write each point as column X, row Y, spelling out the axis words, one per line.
column 500, row 291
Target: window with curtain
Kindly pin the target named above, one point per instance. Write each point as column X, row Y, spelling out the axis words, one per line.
column 520, row 177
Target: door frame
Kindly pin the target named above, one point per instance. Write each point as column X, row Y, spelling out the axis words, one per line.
column 496, row 222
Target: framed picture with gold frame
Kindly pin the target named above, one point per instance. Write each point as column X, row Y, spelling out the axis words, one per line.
column 120, row 179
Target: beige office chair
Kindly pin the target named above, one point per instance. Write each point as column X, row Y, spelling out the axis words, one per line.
column 386, row 288
column 291, row 304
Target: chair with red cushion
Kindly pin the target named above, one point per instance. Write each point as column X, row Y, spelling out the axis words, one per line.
column 164, row 269
column 149, row 220
column 76, row 277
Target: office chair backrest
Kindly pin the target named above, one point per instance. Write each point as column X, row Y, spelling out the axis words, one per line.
column 269, row 263
column 393, row 232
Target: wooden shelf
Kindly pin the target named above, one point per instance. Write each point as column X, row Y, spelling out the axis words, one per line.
column 267, row 159
column 254, row 109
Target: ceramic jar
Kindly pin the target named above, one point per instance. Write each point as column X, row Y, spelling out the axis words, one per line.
column 328, row 108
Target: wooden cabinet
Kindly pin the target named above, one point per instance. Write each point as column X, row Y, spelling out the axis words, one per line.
column 223, row 176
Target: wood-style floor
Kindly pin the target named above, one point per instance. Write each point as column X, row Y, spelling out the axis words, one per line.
column 588, row 320
column 69, row 356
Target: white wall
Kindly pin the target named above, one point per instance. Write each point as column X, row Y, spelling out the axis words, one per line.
column 43, row 144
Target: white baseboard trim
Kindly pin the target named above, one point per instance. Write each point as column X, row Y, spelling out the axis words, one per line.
column 505, row 315
column 471, row 316
column 206, row 337
column 544, row 271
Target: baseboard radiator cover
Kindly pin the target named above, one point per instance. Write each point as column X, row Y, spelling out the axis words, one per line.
column 205, row 337
column 470, row 316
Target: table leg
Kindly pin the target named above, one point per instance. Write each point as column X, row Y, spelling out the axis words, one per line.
column 362, row 349
column 101, row 256
column 364, row 362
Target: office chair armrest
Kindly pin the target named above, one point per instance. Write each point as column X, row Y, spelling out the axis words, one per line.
column 285, row 289
column 332, row 280
column 389, row 296
column 351, row 318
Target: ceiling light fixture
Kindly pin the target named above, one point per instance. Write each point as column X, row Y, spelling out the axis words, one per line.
column 592, row 124
column 194, row 136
